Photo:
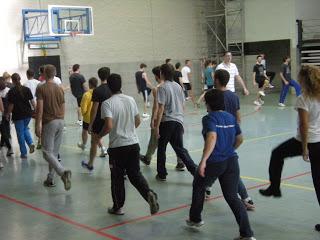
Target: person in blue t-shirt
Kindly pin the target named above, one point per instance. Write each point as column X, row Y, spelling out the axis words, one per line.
column 219, row 160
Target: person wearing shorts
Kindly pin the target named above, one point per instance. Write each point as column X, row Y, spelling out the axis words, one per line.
column 186, row 79
column 259, row 79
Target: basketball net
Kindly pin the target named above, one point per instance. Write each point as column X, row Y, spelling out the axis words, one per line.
column 73, row 34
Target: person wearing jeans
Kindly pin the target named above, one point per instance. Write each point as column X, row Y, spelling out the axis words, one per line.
column 20, row 100
column 50, row 124
column 307, row 140
column 169, row 122
column 287, row 81
column 222, row 135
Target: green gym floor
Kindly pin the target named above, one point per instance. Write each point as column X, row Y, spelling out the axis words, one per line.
column 30, row 211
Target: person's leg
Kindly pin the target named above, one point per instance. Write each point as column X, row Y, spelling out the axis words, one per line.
column 229, row 182
column 93, row 149
column 84, row 136
column 314, row 155
column 5, row 133
column 185, row 90
column 296, row 86
column 176, row 142
column 27, row 134
column 200, row 100
column 284, row 92
column 289, row 148
column 19, row 125
column 117, row 168
column 145, row 101
column 165, row 131
column 271, row 76
column 152, row 146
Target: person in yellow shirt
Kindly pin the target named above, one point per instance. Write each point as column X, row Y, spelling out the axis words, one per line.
column 86, row 105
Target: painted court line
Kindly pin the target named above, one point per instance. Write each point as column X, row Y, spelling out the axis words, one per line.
column 56, row 216
column 188, row 205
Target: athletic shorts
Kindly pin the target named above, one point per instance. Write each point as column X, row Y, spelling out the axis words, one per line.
column 97, row 126
column 79, row 101
column 261, row 82
column 145, row 93
column 187, row 86
column 85, row 126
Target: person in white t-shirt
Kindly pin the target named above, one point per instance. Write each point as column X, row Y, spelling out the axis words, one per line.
column 234, row 73
column 307, row 140
column 121, row 118
column 32, row 83
column 186, row 80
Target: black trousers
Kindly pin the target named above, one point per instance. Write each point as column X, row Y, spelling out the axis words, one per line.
column 271, row 75
column 293, row 148
column 5, row 133
column 228, row 173
column 172, row 132
column 121, row 160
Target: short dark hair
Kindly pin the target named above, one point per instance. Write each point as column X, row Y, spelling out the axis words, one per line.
column 114, row 83
column 30, row 73
column 222, row 76
column 285, row 58
column 15, row 77
column 186, row 61
column 156, row 71
column 104, row 73
column 93, row 82
column 178, row 65
column 214, row 62
column 207, row 63
column 215, row 99
column 259, row 56
column 168, row 60
column 167, row 71
column 143, row 65
column 75, row 67
column 49, row 71
column 225, row 52
column 41, row 69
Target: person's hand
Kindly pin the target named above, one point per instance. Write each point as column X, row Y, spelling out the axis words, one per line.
column 246, row 92
column 7, row 117
column 152, row 123
column 156, row 129
column 286, row 82
column 38, row 131
column 202, row 169
column 305, row 155
column 255, row 84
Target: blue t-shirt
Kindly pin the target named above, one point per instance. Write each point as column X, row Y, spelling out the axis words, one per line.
column 227, row 128
column 231, row 103
column 208, row 76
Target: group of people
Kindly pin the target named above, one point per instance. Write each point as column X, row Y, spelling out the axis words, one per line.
column 107, row 111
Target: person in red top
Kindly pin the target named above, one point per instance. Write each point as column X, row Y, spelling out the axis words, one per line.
column 41, row 72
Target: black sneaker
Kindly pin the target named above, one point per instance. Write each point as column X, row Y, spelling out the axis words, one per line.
column 161, row 179
column 66, row 179
column 208, row 192
column 114, row 211
column 145, row 160
column 153, row 202
column 194, row 224
column 317, row 227
column 180, row 166
column 31, row 148
column 270, row 192
column 10, row 152
column 49, row 183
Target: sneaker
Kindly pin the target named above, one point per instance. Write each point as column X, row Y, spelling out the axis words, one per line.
column 145, row 115
column 270, row 85
column 64, row 128
column 10, row 152
column 194, row 224
column 81, row 145
column 31, row 148
column 66, row 179
column 79, row 122
column 248, row 204
column 39, row 146
column 145, row 160
column 59, row 157
column 317, row 227
column 180, row 166
column 104, row 152
column 188, row 98
column 153, row 202
column 86, row 166
column 245, row 238
column 49, row 183
column 261, row 101
column 262, row 93
column 270, row 192
column 161, row 179
column 148, row 104
column 23, row 156
column 281, row 105
column 208, row 192
column 112, row 210
column 1, row 165
column 256, row 102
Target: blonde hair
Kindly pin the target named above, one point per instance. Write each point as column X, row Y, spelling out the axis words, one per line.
column 6, row 75
column 309, row 78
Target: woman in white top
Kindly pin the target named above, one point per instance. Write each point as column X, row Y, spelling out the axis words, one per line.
column 307, row 141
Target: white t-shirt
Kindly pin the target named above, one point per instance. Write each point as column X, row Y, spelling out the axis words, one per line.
column 233, row 71
column 312, row 106
column 4, row 92
column 56, row 80
column 184, row 71
column 123, row 110
column 32, row 85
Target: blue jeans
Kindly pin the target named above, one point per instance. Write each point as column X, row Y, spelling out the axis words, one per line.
column 23, row 134
column 228, row 173
column 285, row 89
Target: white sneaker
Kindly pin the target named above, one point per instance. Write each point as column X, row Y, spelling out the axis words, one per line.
column 245, row 238
column 64, row 128
column 270, row 85
column 261, row 102
column 79, row 122
column 194, row 224
column 281, row 105
column 262, row 93
column 148, row 104
column 1, row 165
column 104, row 152
column 187, row 98
column 145, row 115
column 257, row 103
column 81, row 145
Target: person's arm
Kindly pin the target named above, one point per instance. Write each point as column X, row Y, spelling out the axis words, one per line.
column 159, row 117
column 39, row 117
column 145, row 77
column 240, row 80
column 1, row 105
column 283, row 79
column 137, row 121
column 303, row 128
column 154, row 108
column 239, row 141
column 210, row 142
column 10, row 109
column 107, row 127
column 33, row 104
column 181, row 82
column 93, row 114
column 254, row 79
column 238, row 116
